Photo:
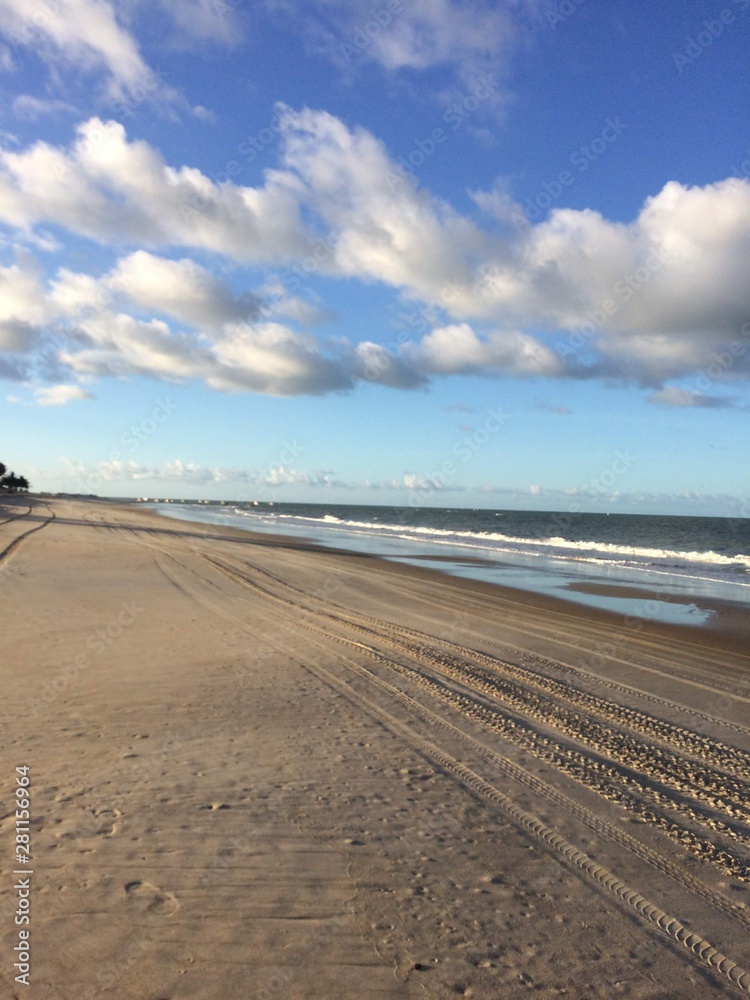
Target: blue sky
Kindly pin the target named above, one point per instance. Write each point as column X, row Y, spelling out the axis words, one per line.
column 421, row 251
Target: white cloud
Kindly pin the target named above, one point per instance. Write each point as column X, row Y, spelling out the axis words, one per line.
column 31, row 108
column 418, row 35
column 180, row 288
column 232, row 351
column 119, row 345
column 269, row 357
column 245, row 484
column 196, row 22
column 280, row 476
column 429, row 33
column 123, row 324
column 22, row 307
column 115, row 191
column 58, row 395
column 84, row 34
column 97, row 38
column 22, row 293
column 380, row 226
column 655, row 299
column 73, row 294
column 177, row 471
column 458, row 350
column 413, row 481
column 678, row 274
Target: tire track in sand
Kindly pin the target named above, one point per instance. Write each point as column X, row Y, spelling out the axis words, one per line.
column 699, row 948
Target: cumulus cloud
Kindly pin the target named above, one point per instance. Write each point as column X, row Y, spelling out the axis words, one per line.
column 119, row 345
column 415, row 482
column 23, row 309
column 245, row 484
column 181, row 288
column 91, row 476
column 280, row 476
column 114, row 191
column 21, row 293
column 458, row 350
column 173, row 320
column 269, row 357
column 380, row 225
column 661, row 297
column 655, row 298
column 58, row 395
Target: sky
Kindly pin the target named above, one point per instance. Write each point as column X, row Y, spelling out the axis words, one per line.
column 421, row 252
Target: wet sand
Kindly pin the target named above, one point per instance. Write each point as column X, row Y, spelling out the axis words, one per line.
column 259, row 769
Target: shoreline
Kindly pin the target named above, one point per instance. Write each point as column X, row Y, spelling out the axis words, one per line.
column 264, row 767
column 728, row 620
column 663, row 602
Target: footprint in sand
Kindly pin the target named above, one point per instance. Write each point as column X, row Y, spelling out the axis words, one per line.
column 152, row 899
column 89, row 823
column 100, row 822
column 105, row 821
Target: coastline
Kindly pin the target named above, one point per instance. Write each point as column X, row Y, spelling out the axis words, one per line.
column 728, row 621
column 297, row 771
column 685, row 602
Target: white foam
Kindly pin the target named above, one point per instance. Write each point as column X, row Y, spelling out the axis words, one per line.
column 552, row 547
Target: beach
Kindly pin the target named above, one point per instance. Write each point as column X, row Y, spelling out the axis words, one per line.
column 261, row 769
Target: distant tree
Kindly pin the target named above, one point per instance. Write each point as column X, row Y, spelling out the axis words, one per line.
column 13, row 483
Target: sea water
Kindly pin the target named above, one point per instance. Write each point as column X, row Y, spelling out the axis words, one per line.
column 682, row 561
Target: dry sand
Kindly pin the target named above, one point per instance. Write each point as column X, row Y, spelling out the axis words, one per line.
column 264, row 771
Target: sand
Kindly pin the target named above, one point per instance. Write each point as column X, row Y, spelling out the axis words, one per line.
column 262, row 770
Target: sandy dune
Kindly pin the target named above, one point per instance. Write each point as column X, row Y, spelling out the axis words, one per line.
column 259, row 770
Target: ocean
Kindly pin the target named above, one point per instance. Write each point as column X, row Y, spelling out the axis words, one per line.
column 684, row 562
